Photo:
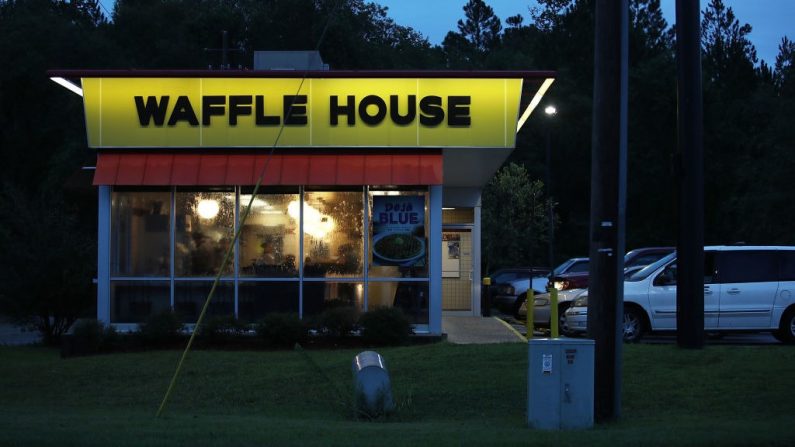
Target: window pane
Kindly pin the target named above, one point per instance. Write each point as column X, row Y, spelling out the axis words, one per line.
column 134, row 301
column 257, row 299
column 398, row 234
column 787, row 265
column 140, row 233
column 333, row 224
column 269, row 238
column 411, row 297
column 747, row 266
column 205, row 228
column 319, row 296
column 189, row 297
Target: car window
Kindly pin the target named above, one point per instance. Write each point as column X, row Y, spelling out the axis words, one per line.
column 562, row 267
column 787, row 265
column 747, row 266
column 667, row 277
column 651, row 268
column 578, row 267
column 710, row 269
column 644, row 259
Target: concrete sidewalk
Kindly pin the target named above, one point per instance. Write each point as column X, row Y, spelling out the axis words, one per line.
column 479, row 330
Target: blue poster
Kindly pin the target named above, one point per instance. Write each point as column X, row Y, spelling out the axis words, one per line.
column 399, row 230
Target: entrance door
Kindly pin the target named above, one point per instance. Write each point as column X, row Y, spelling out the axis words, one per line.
column 457, row 270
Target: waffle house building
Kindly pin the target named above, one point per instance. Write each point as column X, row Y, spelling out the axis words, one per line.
column 369, row 197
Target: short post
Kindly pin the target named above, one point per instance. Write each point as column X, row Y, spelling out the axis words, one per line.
column 485, row 297
column 553, row 312
column 530, row 323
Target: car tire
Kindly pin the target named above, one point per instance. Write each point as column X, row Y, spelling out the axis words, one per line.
column 633, row 325
column 786, row 329
column 518, row 305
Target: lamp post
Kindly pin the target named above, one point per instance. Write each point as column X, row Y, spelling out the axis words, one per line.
column 550, row 111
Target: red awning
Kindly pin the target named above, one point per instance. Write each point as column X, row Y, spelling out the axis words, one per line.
column 158, row 169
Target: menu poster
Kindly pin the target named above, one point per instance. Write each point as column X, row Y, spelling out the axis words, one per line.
column 451, row 255
column 399, row 231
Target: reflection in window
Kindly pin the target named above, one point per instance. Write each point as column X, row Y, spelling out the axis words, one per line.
column 204, row 231
column 269, row 238
column 135, row 301
column 319, row 296
column 257, row 299
column 140, row 242
column 333, row 224
column 189, row 298
column 410, row 297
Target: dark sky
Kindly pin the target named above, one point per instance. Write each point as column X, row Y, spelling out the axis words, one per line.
column 770, row 19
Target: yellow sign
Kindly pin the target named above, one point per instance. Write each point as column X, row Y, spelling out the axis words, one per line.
column 294, row 112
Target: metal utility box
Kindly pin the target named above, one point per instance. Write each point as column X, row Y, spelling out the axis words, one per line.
column 560, row 383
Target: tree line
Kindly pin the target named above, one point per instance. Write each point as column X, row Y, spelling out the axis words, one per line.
column 747, row 108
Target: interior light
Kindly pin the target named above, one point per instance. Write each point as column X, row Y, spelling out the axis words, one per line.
column 207, row 209
column 68, row 85
column 316, row 224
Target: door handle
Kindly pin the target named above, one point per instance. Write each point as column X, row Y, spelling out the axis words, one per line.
column 707, row 291
column 733, row 291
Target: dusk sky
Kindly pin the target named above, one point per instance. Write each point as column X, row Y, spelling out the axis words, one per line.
column 771, row 19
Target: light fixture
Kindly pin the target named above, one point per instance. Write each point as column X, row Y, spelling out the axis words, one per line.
column 207, row 209
column 316, row 224
column 71, row 86
column 550, row 110
column 534, row 103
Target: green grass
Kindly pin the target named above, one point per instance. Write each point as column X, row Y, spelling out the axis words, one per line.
column 447, row 395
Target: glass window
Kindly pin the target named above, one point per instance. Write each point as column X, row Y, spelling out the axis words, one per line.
column 398, row 234
column 189, row 297
column 204, row 231
column 410, row 296
column 738, row 266
column 333, row 243
column 787, row 272
column 667, row 277
column 269, row 239
column 140, row 233
column 135, row 301
column 257, row 299
column 320, row 295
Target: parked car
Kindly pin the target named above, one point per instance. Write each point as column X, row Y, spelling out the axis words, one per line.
column 578, row 279
column 542, row 310
column 746, row 288
column 510, row 295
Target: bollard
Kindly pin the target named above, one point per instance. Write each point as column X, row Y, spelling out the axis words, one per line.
column 485, row 297
column 530, row 310
column 553, row 312
column 371, row 386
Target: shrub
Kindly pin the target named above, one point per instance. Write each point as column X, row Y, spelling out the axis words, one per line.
column 161, row 329
column 89, row 337
column 338, row 321
column 386, row 326
column 282, row 330
column 220, row 329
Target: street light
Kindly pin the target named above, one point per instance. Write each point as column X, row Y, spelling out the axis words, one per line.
column 551, row 111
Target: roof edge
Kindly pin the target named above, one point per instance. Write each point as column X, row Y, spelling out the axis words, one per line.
column 462, row 74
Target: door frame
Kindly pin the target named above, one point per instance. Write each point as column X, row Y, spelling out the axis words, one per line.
column 474, row 230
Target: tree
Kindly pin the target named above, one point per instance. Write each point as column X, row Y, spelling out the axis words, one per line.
column 476, row 36
column 46, row 263
column 514, row 219
column 784, row 73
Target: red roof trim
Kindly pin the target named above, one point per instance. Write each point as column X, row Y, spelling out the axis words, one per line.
column 148, row 169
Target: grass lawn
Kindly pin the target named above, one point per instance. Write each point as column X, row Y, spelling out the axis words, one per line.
column 447, row 395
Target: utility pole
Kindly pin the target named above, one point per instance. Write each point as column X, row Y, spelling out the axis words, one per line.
column 608, row 203
column 690, row 178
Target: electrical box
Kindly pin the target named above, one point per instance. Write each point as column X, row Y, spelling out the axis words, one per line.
column 560, row 383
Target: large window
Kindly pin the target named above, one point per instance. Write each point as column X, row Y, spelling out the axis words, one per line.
column 140, row 241
column 333, row 243
column 269, row 240
column 300, row 250
column 204, row 230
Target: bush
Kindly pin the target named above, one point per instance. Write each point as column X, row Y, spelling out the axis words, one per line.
column 161, row 329
column 338, row 321
column 387, row 326
column 89, row 337
column 221, row 329
column 282, row 330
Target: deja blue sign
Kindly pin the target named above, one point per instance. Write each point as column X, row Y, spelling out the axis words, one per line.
column 399, row 230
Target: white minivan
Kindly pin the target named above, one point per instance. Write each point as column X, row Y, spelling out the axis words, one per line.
column 746, row 288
